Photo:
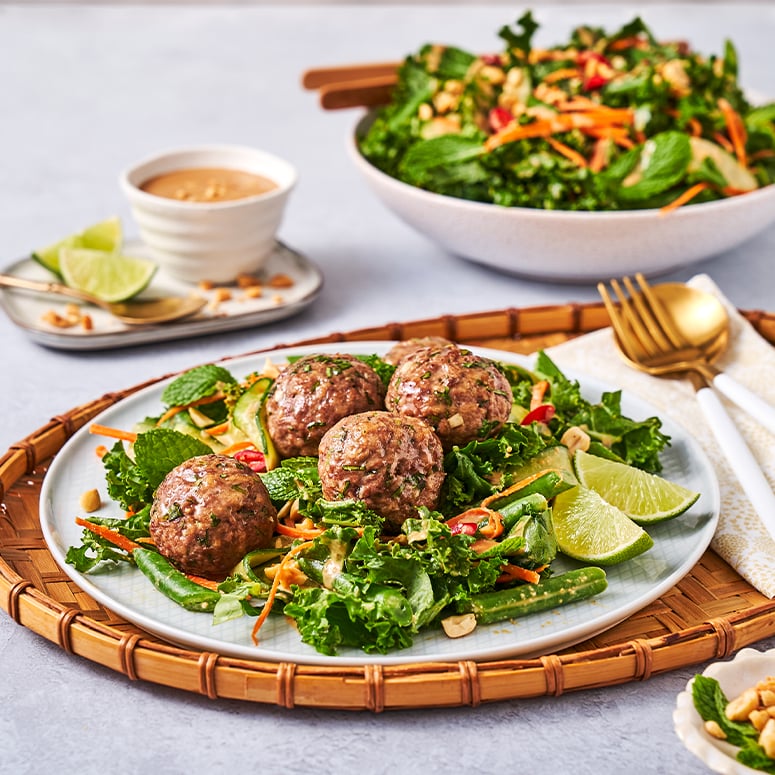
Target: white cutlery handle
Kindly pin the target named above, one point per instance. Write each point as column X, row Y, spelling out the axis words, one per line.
column 756, row 406
column 740, row 458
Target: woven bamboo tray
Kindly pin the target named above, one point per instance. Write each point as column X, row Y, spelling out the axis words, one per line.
column 710, row 614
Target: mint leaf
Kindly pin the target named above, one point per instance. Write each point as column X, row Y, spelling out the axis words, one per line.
column 443, row 151
column 710, row 702
column 196, row 383
column 663, row 162
column 159, row 450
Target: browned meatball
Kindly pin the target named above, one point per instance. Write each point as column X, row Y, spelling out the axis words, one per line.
column 312, row 393
column 393, row 463
column 461, row 395
column 407, row 346
column 209, row 512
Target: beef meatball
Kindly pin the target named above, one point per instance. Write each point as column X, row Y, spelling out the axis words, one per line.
column 391, row 462
column 209, row 512
column 313, row 393
column 461, row 395
column 401, row 349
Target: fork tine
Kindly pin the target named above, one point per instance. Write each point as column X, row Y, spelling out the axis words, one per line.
column 663, row 320
column 638, row 319
column 647, row 320
column 621, row 322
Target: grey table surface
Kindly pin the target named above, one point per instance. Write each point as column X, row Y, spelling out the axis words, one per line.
column 87, row 89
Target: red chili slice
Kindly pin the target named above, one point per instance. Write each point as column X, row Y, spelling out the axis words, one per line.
column 542, row 413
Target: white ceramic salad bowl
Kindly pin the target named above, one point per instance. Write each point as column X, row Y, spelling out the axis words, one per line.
column 571, row 246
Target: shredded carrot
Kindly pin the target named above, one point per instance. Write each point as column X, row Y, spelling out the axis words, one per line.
column 516, row 486
column 122, row 542
column 101, row 450
column 494, row 526
column 695, row 128
column 218, row 430
column 297, row 532
column 113, row 433
column 724, row 142
column 537, row 393
column 237, row 447
column 600, row 154
column 736, row 129
column 568, row 152
column 618, row 135
column 687, row 196
column 562, row 74
column 202, row 581
column 275, row 586
column 510, row 572
column 764, row 153
column 173, row 410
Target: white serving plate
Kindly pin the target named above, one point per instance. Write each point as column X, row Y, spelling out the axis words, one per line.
column 679, row 544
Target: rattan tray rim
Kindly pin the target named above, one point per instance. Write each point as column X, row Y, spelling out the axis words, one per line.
column 26, row 582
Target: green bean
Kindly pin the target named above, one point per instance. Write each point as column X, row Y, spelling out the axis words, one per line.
column 174, row 584
column 525, row 599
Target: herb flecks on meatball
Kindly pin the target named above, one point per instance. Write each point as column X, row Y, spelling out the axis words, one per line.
column 406, row 347
column 463, row 396
column 209, row 512
column 392, row 463
column 311, row 394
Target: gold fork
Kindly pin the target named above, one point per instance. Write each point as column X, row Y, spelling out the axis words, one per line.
column 677, row 330
column 647, row 345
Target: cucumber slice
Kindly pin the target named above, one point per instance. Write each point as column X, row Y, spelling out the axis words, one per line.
column 249, row 416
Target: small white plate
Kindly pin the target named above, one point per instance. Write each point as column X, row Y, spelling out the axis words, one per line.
column 735, row 676
column 241, row 311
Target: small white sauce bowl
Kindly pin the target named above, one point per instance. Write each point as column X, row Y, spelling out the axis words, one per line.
column 215, row 241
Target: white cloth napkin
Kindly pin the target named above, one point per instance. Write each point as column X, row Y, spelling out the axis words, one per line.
column 740, row 537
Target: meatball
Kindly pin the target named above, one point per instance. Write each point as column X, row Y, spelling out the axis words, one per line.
column 209, row 512
column 391, row 462
column 407, row 346
column 461, row 395
column 312, row 393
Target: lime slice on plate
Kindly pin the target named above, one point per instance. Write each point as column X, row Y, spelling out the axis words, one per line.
column 108, row 276
column 591, row 530
column 106, row 235
column 645, row 498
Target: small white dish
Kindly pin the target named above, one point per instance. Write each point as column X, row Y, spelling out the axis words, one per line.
column 240, row 311
column 748, row 667
column 209, row 240
column 570, row 246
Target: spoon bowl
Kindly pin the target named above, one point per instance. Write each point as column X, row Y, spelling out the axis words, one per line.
column 141, row 312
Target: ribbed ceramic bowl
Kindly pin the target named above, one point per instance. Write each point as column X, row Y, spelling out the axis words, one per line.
column 214, row 241
column 573, row 246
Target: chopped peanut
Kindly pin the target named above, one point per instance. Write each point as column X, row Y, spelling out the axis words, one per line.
column 575, row 438
column 739, row 708
column 759, row 718
column 280, row 281
column 767, row 738
column 714, row 730
column 458, row 626
column 90, row 501
column 254, row 292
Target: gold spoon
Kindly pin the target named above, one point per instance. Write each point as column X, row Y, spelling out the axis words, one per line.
column 143, row 312
column 697, row 322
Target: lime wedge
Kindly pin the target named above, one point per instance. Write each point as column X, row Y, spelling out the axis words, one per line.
column 645, row 498
column 108, row 276
column 106, row 235
column 591, row 530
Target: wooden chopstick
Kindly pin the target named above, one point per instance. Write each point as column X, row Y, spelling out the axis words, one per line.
column 317, row 77
column 352, row 86
column 365, row 92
